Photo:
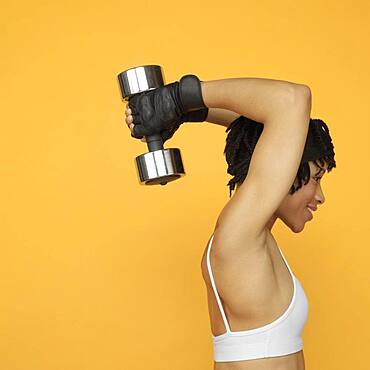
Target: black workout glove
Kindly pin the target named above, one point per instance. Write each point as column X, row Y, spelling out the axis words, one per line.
column 164, row 109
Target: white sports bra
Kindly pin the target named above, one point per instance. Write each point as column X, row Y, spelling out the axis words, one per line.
column 281, row 337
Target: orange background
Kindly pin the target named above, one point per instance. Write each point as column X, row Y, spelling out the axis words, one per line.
column 98, row 272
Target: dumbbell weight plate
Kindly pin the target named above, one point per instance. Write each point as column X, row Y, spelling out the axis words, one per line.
column 139, row 79
column 159, row 166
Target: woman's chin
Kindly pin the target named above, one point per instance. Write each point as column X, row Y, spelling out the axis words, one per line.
column 297, row 227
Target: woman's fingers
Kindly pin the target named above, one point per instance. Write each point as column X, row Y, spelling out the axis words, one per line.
column 129, row 122
column 129, row 119
column 132, row 117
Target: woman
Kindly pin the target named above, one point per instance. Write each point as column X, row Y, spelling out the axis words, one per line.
column 278, row 155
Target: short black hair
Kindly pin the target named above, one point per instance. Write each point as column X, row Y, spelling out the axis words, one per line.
column 243, row 134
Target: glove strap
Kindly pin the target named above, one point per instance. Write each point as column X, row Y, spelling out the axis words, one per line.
column 199, row 115
column 190, row 92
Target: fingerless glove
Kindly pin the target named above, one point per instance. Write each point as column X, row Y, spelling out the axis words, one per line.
column 164, row 109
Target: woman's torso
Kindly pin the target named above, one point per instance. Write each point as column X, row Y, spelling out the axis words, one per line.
column 273, row 291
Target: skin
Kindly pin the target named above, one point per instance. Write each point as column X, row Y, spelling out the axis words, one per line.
column 293, row 209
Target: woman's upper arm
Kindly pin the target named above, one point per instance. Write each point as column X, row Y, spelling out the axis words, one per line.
column 272, row 170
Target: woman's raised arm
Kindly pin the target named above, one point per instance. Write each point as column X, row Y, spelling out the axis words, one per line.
column 257, row 98
column 284, row 110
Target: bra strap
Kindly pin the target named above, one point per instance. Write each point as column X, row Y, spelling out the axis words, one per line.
column 286, row 262
column 214, row 287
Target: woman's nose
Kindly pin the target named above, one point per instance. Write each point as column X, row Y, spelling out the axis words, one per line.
column 320, row 195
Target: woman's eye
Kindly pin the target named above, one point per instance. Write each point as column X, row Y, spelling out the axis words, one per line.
column 317, row 179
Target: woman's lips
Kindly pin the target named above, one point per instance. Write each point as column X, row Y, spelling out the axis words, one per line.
column 312, row 208
column 310, row 212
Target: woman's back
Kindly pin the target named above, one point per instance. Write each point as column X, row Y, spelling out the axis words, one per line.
column 255, row 288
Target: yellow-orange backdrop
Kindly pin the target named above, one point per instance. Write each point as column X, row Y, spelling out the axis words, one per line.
column 98, row 272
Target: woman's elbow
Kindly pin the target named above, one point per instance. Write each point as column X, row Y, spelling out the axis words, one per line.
column 304, row 92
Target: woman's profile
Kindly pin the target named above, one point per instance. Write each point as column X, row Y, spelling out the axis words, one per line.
column 277, row 156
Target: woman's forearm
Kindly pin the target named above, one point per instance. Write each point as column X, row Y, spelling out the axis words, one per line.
column 221, row 117
column 257, row 98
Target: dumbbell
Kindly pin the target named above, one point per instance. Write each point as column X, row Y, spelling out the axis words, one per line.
column 159, row 165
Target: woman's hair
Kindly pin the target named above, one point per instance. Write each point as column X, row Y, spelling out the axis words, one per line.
column 243, row 134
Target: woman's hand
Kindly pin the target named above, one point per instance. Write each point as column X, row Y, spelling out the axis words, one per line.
column 161, row 111
column 194, row 116
column 165, row 134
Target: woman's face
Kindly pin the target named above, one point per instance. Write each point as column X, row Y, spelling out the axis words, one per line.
column 294, row 209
